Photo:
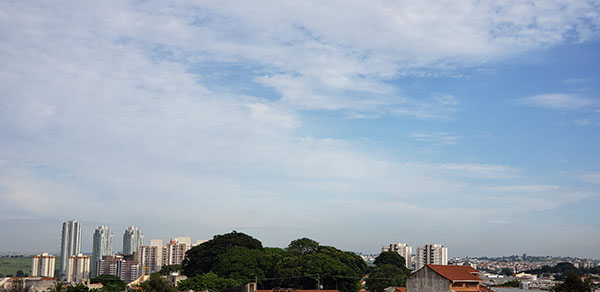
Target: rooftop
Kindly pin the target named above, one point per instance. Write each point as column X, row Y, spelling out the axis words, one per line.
column 456, row 273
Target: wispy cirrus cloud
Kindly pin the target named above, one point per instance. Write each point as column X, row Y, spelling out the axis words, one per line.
column 558, row 101
column 479, row 170
column 439, row 137
column 592, row 177
column 536, row 197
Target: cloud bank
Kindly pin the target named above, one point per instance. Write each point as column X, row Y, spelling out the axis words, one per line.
column 201, row 106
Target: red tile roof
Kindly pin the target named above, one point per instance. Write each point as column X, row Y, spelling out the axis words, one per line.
column 400, row 289
column 297, row 290
column 456, row 273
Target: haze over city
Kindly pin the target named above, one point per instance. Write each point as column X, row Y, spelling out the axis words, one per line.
column 355, row 123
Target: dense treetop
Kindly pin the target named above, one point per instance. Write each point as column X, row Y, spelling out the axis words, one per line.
column 390, row 270
column 304, row 264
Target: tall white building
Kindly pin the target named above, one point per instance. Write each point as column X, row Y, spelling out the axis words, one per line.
column 43, row 266
column 102, row 246
column 79, row 269
column 434, row 254
column 70, row 245
column 402, row 249
column 132, row 240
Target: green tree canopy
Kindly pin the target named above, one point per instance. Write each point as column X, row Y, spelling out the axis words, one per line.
column 58, row 287
column 302, row 246
column 168, row 269
column 156, row 283
column 110, row 283
column 390, row 258
column 78, row 288
column 302, row 265
column 390, row 270
column 201, row 259
column 387, row 275
column 241, row 263
column 330, row 267
column 208, row 281
column 573, row 283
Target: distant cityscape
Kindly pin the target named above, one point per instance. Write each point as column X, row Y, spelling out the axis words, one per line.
column 137, row 260
column 134, row 260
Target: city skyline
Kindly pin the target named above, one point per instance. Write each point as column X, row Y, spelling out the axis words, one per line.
column 473, row 124
column 400, row 247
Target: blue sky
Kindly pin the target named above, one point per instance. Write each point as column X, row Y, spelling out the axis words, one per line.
column 355, row 123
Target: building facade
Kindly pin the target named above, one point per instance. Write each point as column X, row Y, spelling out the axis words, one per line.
column 402, row 249
column 102, row 246
column 70, row 245
column 43, row 266
column 150, row 257
column 434, row 254
column 132, row 240
column 79, row 269
column 436, row 278
column 125, row 267
column 173, row 253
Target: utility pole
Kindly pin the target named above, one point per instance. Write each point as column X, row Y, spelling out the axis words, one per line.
column 318, row 282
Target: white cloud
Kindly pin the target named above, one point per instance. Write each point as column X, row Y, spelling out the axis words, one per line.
column 593, row 177
column 122, row 102
column 575, row 81
column 479, row 170
column 561, row 101
column 440, row 137
column 583, row 122
column 314, row 57
column 536, row 197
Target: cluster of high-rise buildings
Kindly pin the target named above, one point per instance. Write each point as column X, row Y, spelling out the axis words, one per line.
column 135, row 260
column 434, row 254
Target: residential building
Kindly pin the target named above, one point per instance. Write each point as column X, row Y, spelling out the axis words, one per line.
column 434, row 254
column 174, row 278
column 436, row 278
column 173, row 253
column 150, row 257
column 102, row 246
column 184, row 239
column 43, row 266
column 79, row 268
column 132, row 240
column 70, row 245
column 126, row 267
column 402, row 249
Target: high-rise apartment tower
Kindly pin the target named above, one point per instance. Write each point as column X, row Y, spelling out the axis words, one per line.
column 434, row 254
column 132, row 240
column 102, row 246
column 70, row 245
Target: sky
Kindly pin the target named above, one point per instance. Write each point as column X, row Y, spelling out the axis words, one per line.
column 475, row 124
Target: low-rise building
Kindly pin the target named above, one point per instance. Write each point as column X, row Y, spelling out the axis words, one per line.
column 436, row 278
